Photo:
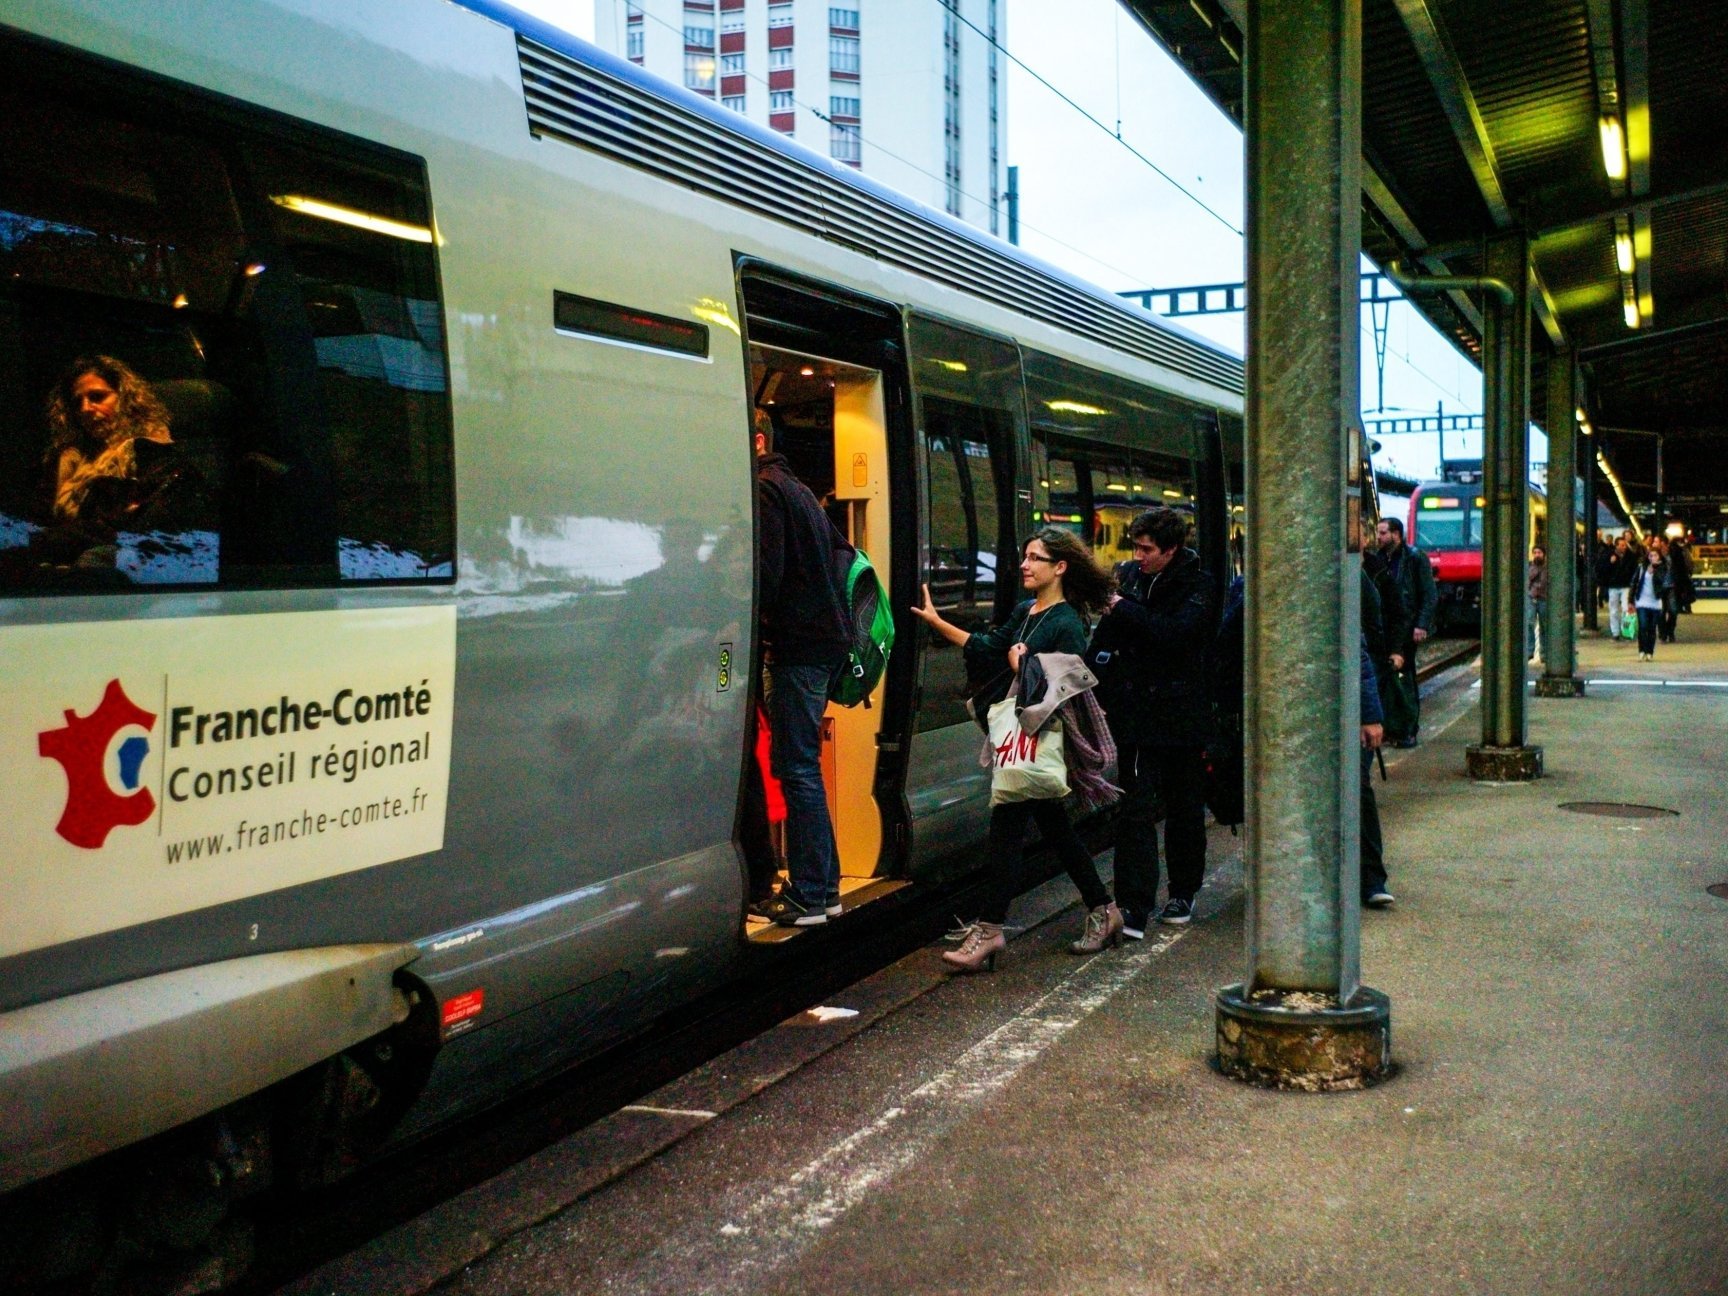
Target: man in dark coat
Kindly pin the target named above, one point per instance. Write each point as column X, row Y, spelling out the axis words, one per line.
column 806, row 627
column 1228, row 682
column 1413, row 578
column 1150, row 652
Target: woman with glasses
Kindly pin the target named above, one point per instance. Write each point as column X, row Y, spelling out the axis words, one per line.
column 1064, row 583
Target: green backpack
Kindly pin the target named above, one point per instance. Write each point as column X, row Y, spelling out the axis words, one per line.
column 872, row 634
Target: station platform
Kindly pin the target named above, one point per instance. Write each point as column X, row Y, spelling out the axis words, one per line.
column 1555, row 1126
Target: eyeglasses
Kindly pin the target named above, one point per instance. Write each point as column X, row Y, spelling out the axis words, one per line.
column 1042, row 558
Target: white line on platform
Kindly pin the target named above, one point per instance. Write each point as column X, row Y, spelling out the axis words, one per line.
column 669, row 1111
column 1640, row 683
column 783, row 1222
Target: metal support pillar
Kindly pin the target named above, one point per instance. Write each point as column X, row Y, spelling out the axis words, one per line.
column 1302, row 1019
column 1560, row 676
column 1502, row 756
column 1587, row 462
column 1661, row 524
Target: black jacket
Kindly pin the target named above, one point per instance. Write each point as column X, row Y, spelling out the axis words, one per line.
column 1150, row 654
column 1413, row 576
column 1391, row 612
column 1658, row 574
column 801, row 569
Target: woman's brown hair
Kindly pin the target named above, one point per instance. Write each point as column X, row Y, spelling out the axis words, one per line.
column 1085, row 584
column 140, row 413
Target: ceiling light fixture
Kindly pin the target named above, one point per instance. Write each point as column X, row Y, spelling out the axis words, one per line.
column 1623, row 251
column 1613, row 147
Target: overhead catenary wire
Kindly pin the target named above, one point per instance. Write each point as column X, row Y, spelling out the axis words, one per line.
column 1113, row 134
column 1128, row 275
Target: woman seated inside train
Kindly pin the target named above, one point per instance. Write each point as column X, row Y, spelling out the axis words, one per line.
column 100, row 411
column 116, row 466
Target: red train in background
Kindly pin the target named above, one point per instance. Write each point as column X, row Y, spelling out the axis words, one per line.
column 1446, row 523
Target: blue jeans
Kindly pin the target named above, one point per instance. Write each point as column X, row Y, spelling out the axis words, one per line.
column 797, row 697
column 1647, row 618
column 1538, row 609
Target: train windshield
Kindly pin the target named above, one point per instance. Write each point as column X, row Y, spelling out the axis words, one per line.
column 1448, row 524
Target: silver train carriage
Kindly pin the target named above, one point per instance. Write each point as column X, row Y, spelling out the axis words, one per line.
column 374, row 733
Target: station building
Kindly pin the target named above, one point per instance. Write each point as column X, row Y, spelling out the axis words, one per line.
column 913, row 94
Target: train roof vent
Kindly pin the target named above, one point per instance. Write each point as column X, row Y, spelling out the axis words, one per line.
column 570, row 101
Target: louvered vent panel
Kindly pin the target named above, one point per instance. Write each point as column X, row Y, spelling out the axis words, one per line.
column 580, row 105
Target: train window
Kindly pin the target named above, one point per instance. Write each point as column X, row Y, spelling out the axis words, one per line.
column 222, row 356
column 969, row 397
column 971, row 540
column 1067, row 401
column 1449, row 522
column 1095, row 491
column 1063, row 502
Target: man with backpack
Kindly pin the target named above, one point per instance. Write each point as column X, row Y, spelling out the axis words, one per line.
column 806, row 626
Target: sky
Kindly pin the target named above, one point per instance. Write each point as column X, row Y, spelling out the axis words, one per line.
column 1098, row 206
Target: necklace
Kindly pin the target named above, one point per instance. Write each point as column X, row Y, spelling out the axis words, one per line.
column 1032, row 619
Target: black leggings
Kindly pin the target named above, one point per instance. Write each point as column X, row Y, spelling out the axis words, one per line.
column 1007, row 842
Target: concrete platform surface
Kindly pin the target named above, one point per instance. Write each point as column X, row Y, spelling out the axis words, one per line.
column 1559, row 987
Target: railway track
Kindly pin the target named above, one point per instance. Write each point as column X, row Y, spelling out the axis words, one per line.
column 1442, row 655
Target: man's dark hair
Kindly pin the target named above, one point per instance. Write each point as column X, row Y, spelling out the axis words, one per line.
column 1164, row 527
column 1395, row 526
column 762, row 425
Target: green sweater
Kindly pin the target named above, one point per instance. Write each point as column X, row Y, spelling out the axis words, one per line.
column 1056, row 629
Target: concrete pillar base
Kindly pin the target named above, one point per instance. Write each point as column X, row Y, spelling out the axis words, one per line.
column 1301, row 1040
column 1503, row 764
column 1560, row 686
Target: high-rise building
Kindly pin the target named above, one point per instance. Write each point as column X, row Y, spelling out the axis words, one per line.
column 912, row 92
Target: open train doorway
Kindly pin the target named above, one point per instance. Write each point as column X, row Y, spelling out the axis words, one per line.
column 830, row 418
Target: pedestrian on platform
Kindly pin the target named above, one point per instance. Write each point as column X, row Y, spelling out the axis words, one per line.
column 806, row 629
column 1057, row 571
column 1680, row 573
column 1375, row 894
column 1618, row 580
column 1649, row 590
column 1150, row 651
column 1229, row 684
column 1414, row 578
column 1536, row 586
column 1386, row 629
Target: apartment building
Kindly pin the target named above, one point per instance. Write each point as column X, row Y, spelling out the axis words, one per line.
column 912, row 92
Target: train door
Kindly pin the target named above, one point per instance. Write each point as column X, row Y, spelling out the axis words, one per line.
column 971, row 440
column 827, row 374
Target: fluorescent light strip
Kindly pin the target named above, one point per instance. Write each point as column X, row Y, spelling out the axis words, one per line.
column 329, row 211
column 1613, row 147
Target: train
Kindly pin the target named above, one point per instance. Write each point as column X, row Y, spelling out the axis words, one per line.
column 385, row 752
column 1446, row 523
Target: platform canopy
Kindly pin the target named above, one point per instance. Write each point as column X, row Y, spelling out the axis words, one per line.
column 1601, row 128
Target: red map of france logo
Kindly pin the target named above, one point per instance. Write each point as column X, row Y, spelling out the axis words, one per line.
column 93, row 807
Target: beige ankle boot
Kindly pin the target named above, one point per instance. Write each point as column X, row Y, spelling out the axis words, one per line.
column 977, row 953
column 1103, row 928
